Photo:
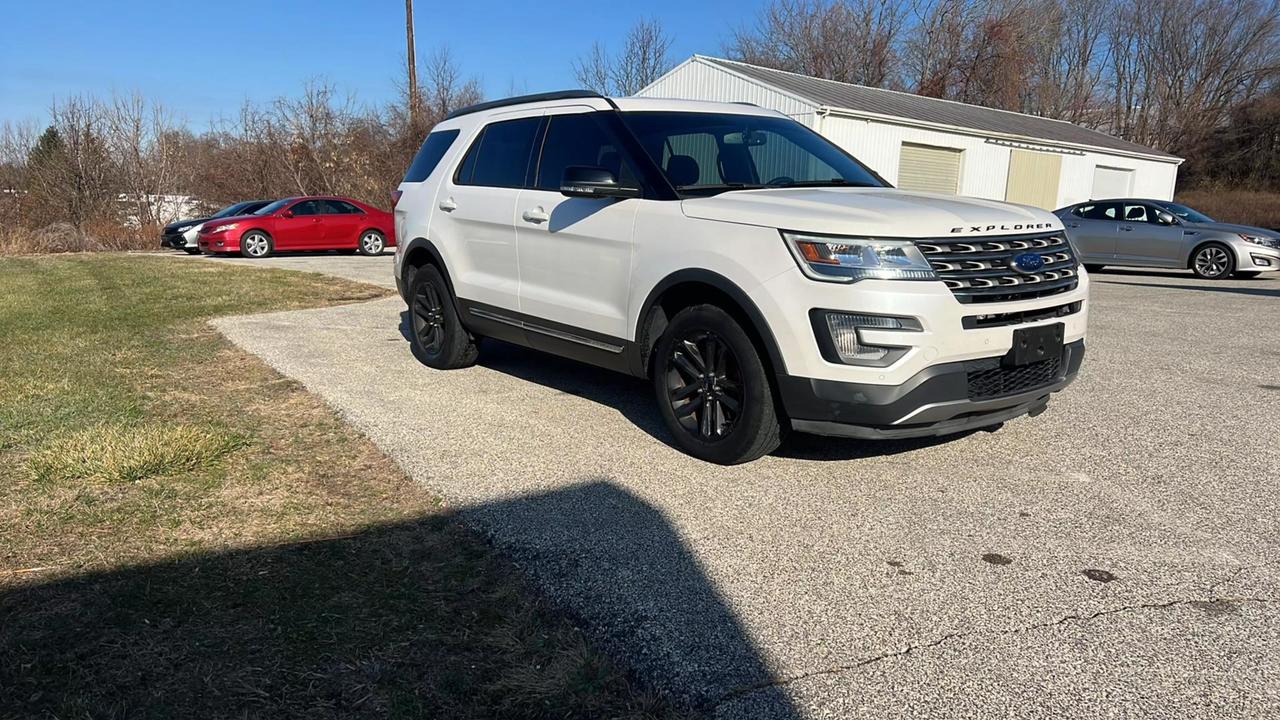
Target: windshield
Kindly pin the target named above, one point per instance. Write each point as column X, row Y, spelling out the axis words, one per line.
column 707, row 153
column 1186, row 213
column 230, row 210
column 274, row 207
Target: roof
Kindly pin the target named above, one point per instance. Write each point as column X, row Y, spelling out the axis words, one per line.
column 907, row 106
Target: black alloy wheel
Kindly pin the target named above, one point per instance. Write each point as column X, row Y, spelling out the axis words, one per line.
column 704, row 386
column 438, row 337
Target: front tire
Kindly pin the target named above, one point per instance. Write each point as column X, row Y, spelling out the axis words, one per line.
column 439, row 340
column 191, row 251
column 713, row 390
column 372, row 243
column 256, row 244
column 1213, row 262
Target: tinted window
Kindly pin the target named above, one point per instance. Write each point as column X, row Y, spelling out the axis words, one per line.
column 1134, row 212
column 341, row 207
column 308, row 207
column 1186, row 213
column 703, row 153
column 274, row 207
column 500, row 156
column 1100, row 211
column 430, row 154
column 579, row 140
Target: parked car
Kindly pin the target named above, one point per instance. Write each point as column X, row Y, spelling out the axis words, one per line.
column 302, row 223
column 760, row 277
column 1162, row 234
column 183, row 234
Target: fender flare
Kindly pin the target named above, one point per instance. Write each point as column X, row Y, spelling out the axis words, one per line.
column 421, row 243
column 647, row 319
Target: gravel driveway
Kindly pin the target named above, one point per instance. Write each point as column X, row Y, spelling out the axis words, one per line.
column 1116, row 556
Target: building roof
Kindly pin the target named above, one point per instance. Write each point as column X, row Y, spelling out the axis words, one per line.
column 861, row 99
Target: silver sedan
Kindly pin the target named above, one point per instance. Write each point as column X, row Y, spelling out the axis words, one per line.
column 1163, row 234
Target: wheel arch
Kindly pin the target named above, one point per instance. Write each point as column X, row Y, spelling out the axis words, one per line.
column 692, row 286
column 419, row 252
column 1191, row 256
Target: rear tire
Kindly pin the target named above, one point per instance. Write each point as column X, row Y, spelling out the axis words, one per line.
column 372, row 242
column 256, row 244
column 438, row 338
column 1093, row 268
column 713, row 390
column 1213, row 261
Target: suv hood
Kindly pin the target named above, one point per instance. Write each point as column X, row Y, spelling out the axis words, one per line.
column 878, row 212
column 1231, row 228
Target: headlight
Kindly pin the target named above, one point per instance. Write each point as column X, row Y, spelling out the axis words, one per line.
column 223, row 228
column 849, row 259
column 1260, row 240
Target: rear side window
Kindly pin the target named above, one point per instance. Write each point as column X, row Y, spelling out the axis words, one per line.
column 500, row 156
column 1101, row 211
column 579, row 139
column 342, row 207
column 430, row 154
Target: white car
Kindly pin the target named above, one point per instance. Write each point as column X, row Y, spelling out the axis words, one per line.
column 761, row 277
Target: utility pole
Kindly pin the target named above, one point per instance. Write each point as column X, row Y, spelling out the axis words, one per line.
column 413, row 63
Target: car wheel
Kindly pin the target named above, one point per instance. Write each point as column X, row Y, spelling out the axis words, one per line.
column 1246, row 275
column 256, row 244
column 192, row 251
column 712, row 388
column 439, row 340
column 1093, row 268
column 372, row 243
column 1213, row 262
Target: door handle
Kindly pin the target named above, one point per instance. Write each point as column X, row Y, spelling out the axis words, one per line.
column 1074, row 225
column 535, row 215
column 448, row 205
column 1126, row 228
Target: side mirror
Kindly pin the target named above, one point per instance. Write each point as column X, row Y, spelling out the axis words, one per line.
column 287, row 214
column 593, row 182
column 1165, row 218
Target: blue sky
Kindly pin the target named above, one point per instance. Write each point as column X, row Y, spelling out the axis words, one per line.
column 202, row 60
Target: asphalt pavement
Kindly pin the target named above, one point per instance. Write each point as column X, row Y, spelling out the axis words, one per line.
column 1116, row 556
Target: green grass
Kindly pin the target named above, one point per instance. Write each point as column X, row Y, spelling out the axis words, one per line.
column 184, row 533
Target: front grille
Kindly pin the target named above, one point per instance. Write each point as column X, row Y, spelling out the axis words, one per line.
column 989, row 378
column 978, row 270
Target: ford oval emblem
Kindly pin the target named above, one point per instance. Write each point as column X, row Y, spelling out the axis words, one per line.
column 1027, row 262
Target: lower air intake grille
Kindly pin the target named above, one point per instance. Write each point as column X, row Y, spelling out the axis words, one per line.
column 988, row 378
column 982, row 270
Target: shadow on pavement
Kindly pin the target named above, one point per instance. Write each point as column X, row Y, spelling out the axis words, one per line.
column 1228, row 289
column 634, row 399
column 385, row 622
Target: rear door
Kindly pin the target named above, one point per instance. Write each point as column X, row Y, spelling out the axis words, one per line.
column 1144, row 241
column 476, row 210
column 1093, row 228
column 575, row 253
column 342, row 224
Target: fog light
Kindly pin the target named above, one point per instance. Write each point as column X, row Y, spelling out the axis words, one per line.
column 846, row 344
column 1260, row 260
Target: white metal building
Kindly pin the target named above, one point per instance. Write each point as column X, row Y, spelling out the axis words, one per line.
column 921, row 143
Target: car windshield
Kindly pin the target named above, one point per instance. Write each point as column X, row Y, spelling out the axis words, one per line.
column 230, row 210
column 274, row 207
column 708, row 153
column 1186, row 213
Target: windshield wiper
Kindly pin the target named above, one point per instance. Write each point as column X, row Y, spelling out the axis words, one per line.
column 719, row 188
column 833, row 182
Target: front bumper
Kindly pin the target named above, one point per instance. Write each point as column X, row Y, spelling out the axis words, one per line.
column 942, row 399
column 1256, row 258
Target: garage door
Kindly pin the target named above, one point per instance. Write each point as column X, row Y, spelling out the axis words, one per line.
column 929, row 168
column 1109, row 182
column 1033, row 178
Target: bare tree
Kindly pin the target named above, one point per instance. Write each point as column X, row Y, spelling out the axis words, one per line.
column 856, row 41
column 148, row 146
column 644, row 58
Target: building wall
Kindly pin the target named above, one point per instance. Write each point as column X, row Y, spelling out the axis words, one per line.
column 985, row 165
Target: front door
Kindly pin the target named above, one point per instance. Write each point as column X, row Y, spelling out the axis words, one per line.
column 1145, row 241
column 575, row 253
column 1093, row 228
column 299, row 227
column 477, row 208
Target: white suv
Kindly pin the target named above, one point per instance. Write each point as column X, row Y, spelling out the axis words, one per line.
column 763, row 278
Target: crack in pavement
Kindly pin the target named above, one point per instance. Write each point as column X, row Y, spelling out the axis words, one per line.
column 910, row 649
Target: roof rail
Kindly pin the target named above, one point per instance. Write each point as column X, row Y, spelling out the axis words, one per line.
column 522, row 99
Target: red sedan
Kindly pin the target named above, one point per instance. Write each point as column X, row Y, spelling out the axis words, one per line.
column 302, row 223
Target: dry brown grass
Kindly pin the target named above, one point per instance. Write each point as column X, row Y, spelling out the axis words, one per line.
column 65, row 238
column 147, row 570
column 1259, row 208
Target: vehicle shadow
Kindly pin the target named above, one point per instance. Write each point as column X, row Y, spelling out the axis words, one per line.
column 1230, row 290
column 413, row 619
column 634, row 399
